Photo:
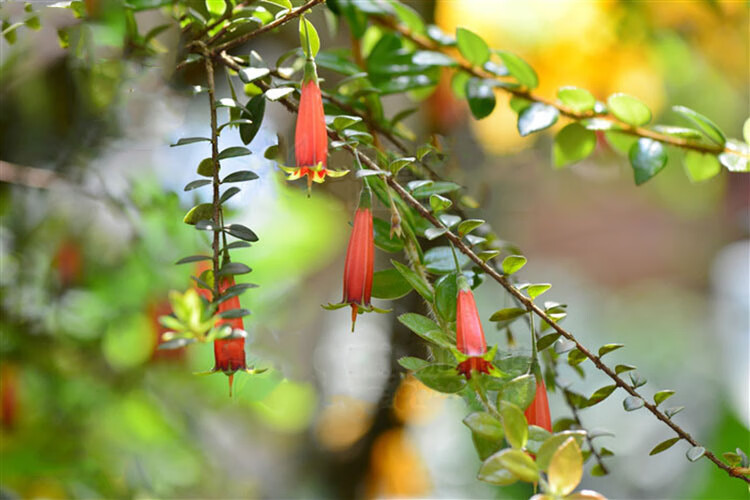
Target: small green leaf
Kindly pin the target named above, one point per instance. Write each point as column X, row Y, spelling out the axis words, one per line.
column 485, row 425
column 189, row 140
column 446, row 291
column 233, row 268
column 240, row 176
column 624, row 368
column 204, row 211
column 494, row 472
column 628, row 109
column 481, row 97
column 664, row 445
column 600, row 394
column 505, row 317
column 547, row 341
column 517, row 463
column 520, row 391
column 192, row 258
column 467, row 226
column 553, row 443
column 439, row 203
column 424, row 327
column 228, row 194
column 537, row 289
column 196, row 184
column 414, row 280
column 513, row 263
column 695, row 453
column 632, row 403
column 565, row 468
column 577, row 99
column 472, row 47
column 572, row 144
column 389, row 284
column 439, row 260
column 733, row 459
column 306, row 29
column 256, row 106
column 647, row 157
column 233, row 152
column 429, row 188
column 576, row 357
column 637, row 379
column 514, row 424
column 607, row 348
column 241, row 232
column 701, row 166
column 341, row 122
column 412, row 364
column 206, row 167
column 705, row 125
column 520, row 69
column 536, row 117
column 441, row 378
column 662, row 396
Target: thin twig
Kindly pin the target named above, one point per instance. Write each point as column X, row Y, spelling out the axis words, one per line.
column 427, row 44
column 527, row 303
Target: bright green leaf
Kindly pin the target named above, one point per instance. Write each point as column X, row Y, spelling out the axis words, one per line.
column 647, row 158
column 628, row 109
column 573, row 143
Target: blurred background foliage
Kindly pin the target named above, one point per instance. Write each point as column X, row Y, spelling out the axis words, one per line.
column 92, row 211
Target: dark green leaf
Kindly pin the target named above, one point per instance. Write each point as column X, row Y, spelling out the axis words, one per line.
column 600, row 394
column 257, row 107
column 624, row 368
column 190, row 140
column 428, row 189
column 389, row 284
column 576, row 357
column 647, row 157
column 241, row 232
column 234, row 313
column 192, row 258
column 232, row 268
column 196, row 184
column 414, row 280
column 547, row 341
column 441, row 378
column 242, row 175
column 233, row 152
column 467, row 226
column 481, row 96
column 505, row 317
column 206, row 167
column 412, row 364
column 228, row 194
column 439, row 260
column 446, row 292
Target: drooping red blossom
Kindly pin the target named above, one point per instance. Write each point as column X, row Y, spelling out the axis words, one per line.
column 229, row 353
column 538, row 411
column 9, row 396
column 469, row 333
column 360, row 258
column 68, row 261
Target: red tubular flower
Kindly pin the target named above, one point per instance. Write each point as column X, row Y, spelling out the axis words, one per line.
column 538, row 411
column 311, row 138
column 469, row 333
column 360, row 257
column 229, row 353
column 9, row 396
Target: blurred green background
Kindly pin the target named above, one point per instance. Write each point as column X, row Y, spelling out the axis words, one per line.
column 92, row 205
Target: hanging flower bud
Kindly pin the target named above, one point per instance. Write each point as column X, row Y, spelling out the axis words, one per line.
column 8, row 396
column 538, row 411
column 311, row 138
column 360, row 257
column 229, row 353
column 469, row 333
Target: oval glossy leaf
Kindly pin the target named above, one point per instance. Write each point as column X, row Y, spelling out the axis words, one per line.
column 446, row 292
column 439, row 260
column 505, row 317
column 241, row 232
column 662, row 396
column 441, row 378
column 536, row 117
column 492, row 471
column 577, row 99
column 481, row 97
column 565, row 468
column 467, row 226
column 514, row 424
column 196, row 184
column 629, row 109
column 308, row 38
column 607, row 348
column 705, row 125
column 573, row 143
column 701, row 166
column 472, row 47
column 513, row 263
column 417, row 323
column 600, row 395
column 537, row 289
column 241, row 176
column 520, row 69
column 389, row 284
column 485, row 425
column 520, row 391
column 232, row 268
column 233, row 152
column 517, row 463
column 256, row 108
column 553, row 443
column 204, row 211
column 647, row 158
